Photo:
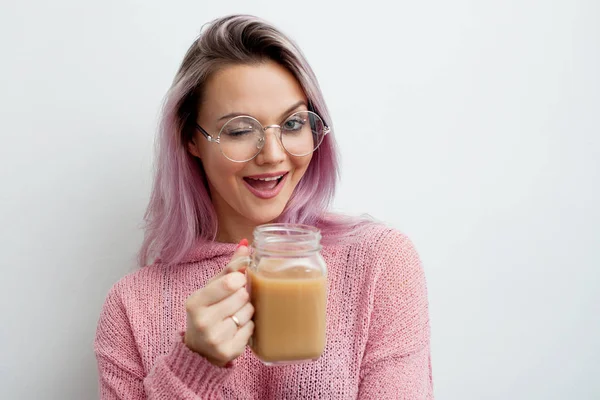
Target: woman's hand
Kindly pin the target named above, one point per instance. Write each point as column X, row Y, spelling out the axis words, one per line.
column 214, row 312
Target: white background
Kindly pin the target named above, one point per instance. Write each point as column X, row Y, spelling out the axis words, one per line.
column 472, row 126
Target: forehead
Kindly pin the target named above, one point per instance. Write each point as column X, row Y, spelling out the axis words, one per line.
column 263, row 91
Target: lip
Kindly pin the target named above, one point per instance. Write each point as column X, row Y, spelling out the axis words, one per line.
column 269, row 175
column 267, row 194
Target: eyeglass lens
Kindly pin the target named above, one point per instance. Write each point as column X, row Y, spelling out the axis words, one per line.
column 242, row 138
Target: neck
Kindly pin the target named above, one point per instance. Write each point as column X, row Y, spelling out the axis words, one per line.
column 231, row 226
column 233, row 229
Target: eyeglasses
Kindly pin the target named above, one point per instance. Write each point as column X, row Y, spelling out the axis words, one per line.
column 243, row 137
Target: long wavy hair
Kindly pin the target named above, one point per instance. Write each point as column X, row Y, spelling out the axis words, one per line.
column 180, row 211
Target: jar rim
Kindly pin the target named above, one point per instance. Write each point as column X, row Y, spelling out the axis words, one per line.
column 302, row 237
column 298, row 229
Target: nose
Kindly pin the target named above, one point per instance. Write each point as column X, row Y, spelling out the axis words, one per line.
column 272, row 151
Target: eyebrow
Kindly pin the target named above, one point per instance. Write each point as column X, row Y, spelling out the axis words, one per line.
column 284, row 114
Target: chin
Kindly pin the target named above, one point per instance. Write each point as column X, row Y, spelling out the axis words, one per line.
column 267, row 216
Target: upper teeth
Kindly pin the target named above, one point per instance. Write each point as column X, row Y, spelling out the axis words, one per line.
column 273, row 178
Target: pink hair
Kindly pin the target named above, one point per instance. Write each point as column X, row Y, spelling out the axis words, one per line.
column 180, row 210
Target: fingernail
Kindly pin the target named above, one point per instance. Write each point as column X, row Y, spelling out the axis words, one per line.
column 242, row 243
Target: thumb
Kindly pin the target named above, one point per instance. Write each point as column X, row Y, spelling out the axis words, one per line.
column 240, row 259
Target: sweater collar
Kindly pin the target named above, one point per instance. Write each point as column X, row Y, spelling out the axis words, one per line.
column 207, row 249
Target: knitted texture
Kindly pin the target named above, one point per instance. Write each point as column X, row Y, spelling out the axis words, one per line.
column 377, row 331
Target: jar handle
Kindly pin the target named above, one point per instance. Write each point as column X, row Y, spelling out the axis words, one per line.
column 238, row 263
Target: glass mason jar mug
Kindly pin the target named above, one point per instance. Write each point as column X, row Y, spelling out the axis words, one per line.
column 287, row 281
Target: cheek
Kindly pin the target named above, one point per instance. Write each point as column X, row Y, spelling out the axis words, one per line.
column 301, row 164
column 221, row 172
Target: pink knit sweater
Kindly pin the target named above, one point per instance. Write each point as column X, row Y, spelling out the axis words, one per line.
column 377, row 331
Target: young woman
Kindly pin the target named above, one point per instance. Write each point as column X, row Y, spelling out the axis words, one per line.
column 178, row 327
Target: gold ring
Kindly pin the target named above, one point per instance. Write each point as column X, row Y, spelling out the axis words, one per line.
column 235, row 320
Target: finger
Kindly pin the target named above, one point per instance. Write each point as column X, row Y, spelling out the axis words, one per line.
column 218, row 289
column 241, row 253
column 232, row 304
column 245, row 314
column 239, row 264
column 231, row 349
column 227, row 328
column 239, row 260
column 240, row 340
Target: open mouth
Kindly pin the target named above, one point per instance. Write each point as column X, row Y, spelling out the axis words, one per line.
column 266, row 187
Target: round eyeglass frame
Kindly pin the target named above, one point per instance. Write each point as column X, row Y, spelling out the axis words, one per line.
column 217, row 140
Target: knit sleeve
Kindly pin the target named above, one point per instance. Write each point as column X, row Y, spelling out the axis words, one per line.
column 179, row 374
column 397, row 363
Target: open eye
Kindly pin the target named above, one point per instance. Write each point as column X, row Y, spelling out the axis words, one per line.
column 294, row 124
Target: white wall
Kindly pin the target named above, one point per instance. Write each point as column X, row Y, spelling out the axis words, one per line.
column 472, row 126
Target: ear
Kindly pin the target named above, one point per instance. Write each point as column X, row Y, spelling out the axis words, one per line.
column 193, row 148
